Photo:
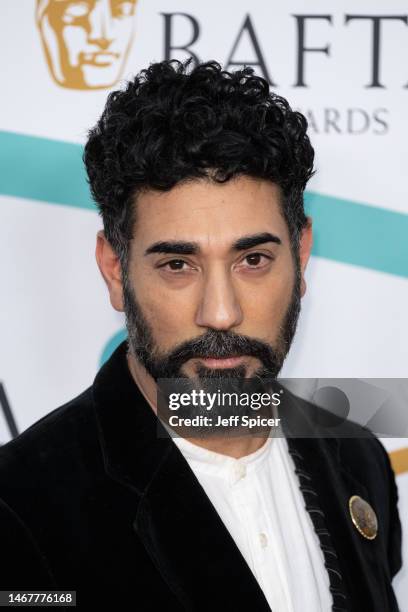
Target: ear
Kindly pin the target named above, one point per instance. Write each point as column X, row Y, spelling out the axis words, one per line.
column 110, row 268
column 305, row 248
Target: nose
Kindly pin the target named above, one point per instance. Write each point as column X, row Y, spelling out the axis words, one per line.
column 219, row 307
column 100, row 25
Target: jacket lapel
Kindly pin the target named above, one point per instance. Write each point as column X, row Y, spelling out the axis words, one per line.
column 360, row 561
column 191, row 546
column 179, row 527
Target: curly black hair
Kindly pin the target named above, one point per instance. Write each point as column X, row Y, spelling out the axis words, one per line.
column 171, row 124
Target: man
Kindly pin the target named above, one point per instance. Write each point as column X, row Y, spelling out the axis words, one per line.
column 199, row 177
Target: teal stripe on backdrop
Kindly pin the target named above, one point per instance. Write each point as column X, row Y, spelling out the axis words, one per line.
column 42, row 169
column 112, row 344
column 350, row 232
column 359, row 234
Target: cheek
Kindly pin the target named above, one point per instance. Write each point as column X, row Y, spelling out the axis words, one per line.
column 168, row 316
column 265, row 308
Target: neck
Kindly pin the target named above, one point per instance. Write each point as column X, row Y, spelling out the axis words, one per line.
column 233, row 447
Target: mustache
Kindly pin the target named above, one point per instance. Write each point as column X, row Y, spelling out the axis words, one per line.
column 220, row 344
column 213, row 343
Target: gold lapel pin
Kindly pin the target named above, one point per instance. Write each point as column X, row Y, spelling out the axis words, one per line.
column 363, row 516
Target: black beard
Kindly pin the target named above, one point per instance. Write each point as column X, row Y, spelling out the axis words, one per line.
column 213, row 343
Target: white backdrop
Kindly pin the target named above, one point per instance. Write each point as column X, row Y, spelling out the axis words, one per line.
column 57, row 324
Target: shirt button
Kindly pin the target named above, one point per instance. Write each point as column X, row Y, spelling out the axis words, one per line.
column 240, row 470
column 263, row 539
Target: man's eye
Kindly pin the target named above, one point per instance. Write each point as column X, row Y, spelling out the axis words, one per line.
column 174, row 265
column 254, row 259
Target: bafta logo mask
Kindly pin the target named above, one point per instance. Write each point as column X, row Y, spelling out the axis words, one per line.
column 86, row 42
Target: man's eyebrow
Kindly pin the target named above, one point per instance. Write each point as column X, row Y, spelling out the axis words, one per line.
column 181, row 247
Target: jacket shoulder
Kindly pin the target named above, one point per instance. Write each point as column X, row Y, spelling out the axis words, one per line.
column 55, row 445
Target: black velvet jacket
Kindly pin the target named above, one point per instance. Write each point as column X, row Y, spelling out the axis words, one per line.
column 92, row 500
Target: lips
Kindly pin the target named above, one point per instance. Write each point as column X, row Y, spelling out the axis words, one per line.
column 227, row 362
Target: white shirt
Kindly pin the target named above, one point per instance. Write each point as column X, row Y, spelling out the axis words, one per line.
column 259, row 500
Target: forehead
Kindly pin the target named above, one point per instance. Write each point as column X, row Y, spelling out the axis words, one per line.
column 213, row 214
